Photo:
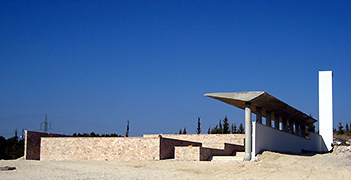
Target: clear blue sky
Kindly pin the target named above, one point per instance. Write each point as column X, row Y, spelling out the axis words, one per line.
column 105, row 62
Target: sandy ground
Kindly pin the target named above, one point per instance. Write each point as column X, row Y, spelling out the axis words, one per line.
column 271, row 165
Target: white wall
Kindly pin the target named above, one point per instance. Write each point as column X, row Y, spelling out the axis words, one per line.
column 326, row 107
column 267, row 138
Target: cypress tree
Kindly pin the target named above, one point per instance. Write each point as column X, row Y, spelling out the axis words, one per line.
column 220, row 127
column 225, row 126
column 198, row 131
column 347, row 128
column 241, row 129
column 127, row 132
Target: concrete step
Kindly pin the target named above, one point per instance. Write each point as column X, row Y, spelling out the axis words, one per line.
column 227, row 158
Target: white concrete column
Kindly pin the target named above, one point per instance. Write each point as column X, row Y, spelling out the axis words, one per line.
column 326, row 107
column 276, row 121
column 259, row 115
column 248, row 132
column 285, row 127
column 291, row 126
column 269, row 118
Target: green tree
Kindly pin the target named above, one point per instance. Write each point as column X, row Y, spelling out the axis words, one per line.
column 215, row 130
column 180, row 131
column 220, row 127
column 234, row 129
column 226, row 125
column 241, row 129
column 198, row 130
column 209, row 130
column 340, row 128
column 127, row 132
column 184, row 131
column 11, row 148
column 347, row 128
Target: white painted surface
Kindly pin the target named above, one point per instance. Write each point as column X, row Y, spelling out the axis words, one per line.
column 267, row 138
column 326, row 107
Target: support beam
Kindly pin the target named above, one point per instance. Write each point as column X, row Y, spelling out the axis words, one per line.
column 291, row 126
column 276, row 121
column 259, row 115
column 285, row 126
column 248, row 130
column 269, row 118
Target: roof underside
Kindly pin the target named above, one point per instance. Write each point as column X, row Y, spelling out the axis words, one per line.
column 266, row 101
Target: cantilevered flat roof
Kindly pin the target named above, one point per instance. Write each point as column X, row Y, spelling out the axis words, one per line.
column 266, row 101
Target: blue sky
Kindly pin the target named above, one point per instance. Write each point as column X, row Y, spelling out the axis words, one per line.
column 93, row 65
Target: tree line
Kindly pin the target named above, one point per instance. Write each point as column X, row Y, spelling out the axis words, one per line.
column 343, row 129
column 11, row 148
column 223, row 127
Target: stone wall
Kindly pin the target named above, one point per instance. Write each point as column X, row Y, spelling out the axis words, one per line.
column 32, row 143
column 216, row 141
column 187, row 153
column 100, row 148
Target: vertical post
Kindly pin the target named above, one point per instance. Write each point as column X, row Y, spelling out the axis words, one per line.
column 259, row 115
column 269, row 118
column 291, row 126
column 276, row 121
column 303, row 129
column 248, row 129
column 297, row 129
column 285, row 128
column 326, row 107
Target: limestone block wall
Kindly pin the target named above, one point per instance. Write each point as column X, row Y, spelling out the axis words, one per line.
column 32, row 143
column 208, row 140
column 187, row 153
column 167, row 147
column 100, row 148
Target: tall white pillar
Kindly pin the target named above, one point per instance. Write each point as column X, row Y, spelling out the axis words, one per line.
column 326, row 107
column 248, row 130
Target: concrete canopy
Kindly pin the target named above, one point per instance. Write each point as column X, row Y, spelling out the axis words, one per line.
column 266, row 101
